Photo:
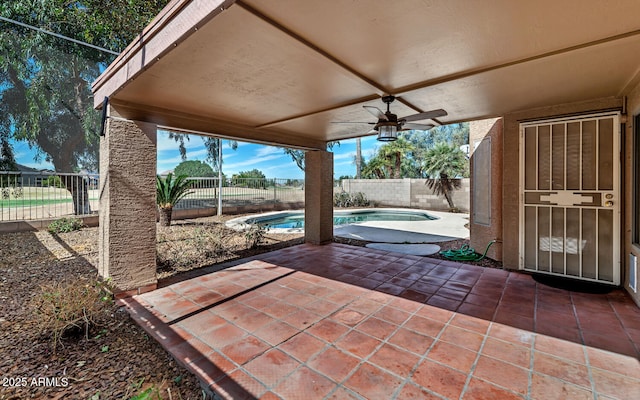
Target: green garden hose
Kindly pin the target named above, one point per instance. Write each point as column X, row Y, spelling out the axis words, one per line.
column 465, row 253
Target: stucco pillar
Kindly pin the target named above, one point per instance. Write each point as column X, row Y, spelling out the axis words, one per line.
column 127, row 239
column 318, row 197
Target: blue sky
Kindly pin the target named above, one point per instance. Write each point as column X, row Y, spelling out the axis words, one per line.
column 25, row 156
column 270, row 160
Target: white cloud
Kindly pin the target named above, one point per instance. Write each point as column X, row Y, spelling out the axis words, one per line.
column 343, row 156
column 166, row 144
column 283, row 171
column 268, row 150
column 251, row 162
column 191, row 155
column 343, row 163
column 284, row 166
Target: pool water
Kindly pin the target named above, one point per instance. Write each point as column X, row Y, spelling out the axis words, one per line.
column 296, row 221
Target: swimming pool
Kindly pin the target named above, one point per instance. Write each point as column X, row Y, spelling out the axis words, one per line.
column 295, row 220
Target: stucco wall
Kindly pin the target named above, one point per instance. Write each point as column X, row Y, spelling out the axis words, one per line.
column 486, row 190
column 633, row 109
column 412, row 193
column 511, row 162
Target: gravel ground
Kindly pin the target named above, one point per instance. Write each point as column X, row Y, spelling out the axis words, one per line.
column 116, row 359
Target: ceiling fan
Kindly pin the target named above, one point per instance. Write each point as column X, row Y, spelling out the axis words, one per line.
column 389, row 124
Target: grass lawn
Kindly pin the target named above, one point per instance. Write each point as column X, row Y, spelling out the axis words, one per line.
column 31, row 202
column 40, row 196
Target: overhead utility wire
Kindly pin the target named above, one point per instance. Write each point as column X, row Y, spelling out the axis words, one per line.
column 35, row 28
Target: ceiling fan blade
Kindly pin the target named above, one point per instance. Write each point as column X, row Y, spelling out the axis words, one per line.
column 352, row 122
column 425, row 115
column 416, row 127
column 376, row 112
column 371, row 132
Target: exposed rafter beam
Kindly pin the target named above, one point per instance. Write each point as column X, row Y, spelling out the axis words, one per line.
column 478, row 71
column 207, row 126
column 398, row 92
column 334, row 107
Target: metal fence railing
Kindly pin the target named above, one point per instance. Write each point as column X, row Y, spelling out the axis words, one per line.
column 40, row 195
column 242, row 192
column 47, row 195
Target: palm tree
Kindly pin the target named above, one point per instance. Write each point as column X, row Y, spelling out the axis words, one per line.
column 443, row 164
column 168, row 192
column 358, row 159
column 395, row 152
column 376, row 167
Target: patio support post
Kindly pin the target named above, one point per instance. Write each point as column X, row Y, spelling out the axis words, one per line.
column 127, row 238
column 318, row 197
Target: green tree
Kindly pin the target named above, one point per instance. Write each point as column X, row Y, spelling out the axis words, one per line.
column 211, row 144
column 7, row 159
column 454, row 135
column 194, row 168
column 297, row 156
column 253, row 174
column 390, row 161
column 214, row 151
column 443, row 164
column 169, row 192
column 45, row 95
column 253, row 179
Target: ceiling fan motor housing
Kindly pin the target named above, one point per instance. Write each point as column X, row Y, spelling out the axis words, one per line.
column 388, row 99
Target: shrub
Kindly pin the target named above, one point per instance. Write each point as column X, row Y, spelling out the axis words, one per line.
column 209, row 241
column 53, row 181
column 359, row 200
column 9, row 186
column 69, row 308
column 65, row 225
column 190, row 248
column 17, row 192
column 254, row 236
column 344, row 199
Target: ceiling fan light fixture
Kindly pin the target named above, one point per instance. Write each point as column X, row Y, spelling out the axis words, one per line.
column 387, row 133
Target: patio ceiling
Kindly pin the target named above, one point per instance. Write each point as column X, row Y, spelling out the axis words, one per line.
column 281, row 71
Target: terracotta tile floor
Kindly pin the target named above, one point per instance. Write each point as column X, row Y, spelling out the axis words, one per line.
column 342, row 322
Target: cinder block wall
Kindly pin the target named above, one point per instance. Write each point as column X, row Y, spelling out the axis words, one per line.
column 385, row 192
column 412, row 193
column 423, row 197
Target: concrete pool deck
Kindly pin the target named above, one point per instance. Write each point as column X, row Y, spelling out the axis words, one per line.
column 446, row 226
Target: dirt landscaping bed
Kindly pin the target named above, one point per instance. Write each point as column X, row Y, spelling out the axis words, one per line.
column 115, row 359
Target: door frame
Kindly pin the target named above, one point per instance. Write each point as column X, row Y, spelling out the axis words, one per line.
column 617, row 189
